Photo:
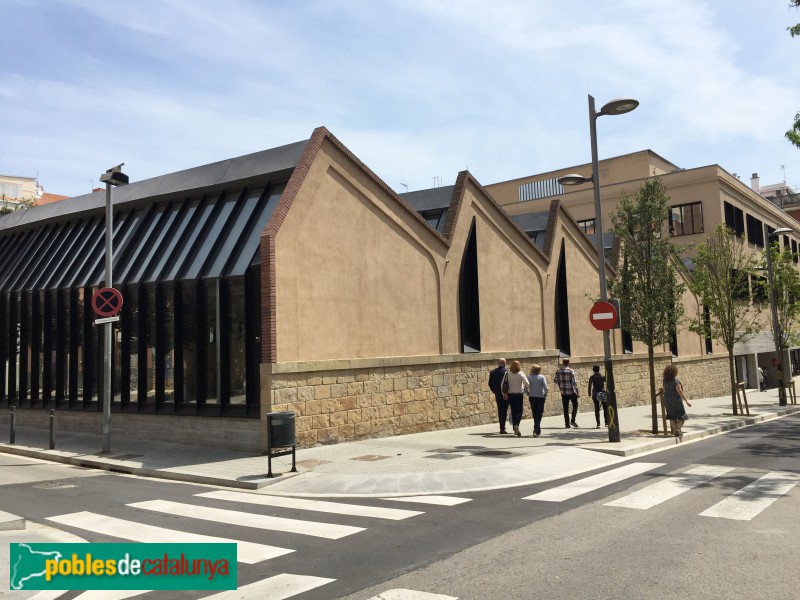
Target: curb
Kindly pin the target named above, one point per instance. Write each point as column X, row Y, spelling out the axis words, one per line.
column 90, row 463
column 9, row 522
column 666, row 442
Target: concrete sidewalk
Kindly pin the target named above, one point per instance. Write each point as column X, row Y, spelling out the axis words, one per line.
column 437, row 462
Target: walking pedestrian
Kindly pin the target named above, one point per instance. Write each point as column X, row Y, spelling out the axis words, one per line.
column 537, row 393
column 674, row 399
column 517, row 385
column 495, row 384
column 762, row 379
column 597, row 386
column 565, row 380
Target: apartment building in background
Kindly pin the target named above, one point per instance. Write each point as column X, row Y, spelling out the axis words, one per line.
column 700, row 198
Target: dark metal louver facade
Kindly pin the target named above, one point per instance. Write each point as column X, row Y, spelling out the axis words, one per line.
column 188, row 265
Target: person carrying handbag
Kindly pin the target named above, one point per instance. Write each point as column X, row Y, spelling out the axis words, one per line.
column 518, row 384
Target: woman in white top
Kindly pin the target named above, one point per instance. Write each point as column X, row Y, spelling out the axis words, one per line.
column 517, row 386
column 537, row 394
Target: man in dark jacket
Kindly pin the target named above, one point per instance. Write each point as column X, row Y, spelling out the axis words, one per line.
column 495, row 384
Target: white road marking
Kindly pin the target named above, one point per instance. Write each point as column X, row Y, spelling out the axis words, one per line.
column 278, row 587
column 589, row 484
column 754, row 498
column 339, row 508
column 436, row 500
column 410, row 595
column 667, row 489
column 110, row 594
column 247, row 552
column 244, row 519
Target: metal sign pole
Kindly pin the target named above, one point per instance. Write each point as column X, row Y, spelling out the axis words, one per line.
column 114, row 176
column 107, row 329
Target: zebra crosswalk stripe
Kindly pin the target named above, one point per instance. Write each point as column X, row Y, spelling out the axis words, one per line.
column 403, row 594
column 667, row 489
column 278, row 587
column 110, row 594
column 749, row 501
column 247, row 552
column 245, row 519
column 594, row 482
column 339, row 508
column 435, row 500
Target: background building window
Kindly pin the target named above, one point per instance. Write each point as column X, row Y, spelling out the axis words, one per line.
column 755, row 231
column 587, row 226
column 734, row 218
column 686, row 219
column 540, row 189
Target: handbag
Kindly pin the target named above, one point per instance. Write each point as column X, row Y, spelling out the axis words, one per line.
column 504, row 385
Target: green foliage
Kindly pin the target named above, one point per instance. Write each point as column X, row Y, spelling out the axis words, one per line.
column 793, row 135
column 786, row 286
column 21, row 205
column 648, row 270
column 795, row 29
column 723, row 267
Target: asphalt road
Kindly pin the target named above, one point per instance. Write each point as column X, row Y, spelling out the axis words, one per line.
column 496, row 545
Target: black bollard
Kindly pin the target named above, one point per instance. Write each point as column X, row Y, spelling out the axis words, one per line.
column 52, row 429
column 13, row 425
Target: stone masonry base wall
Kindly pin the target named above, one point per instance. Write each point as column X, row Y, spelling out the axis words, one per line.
column 336, row 401
column 211, row 432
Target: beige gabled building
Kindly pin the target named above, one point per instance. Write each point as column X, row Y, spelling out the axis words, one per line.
column 295, row 279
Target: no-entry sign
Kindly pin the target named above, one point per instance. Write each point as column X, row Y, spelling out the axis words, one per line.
column 106, row 302
column 603, row 316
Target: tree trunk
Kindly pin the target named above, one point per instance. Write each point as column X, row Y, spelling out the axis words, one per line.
column 652, row 369
column 732, row 374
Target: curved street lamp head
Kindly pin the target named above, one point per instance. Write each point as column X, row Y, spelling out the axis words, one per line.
column 781, row 231
column 573, row 179
column 618, row 106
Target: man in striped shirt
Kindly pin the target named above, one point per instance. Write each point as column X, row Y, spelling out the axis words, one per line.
column 565, row 380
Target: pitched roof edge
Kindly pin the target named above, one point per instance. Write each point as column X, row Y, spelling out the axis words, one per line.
column 300, row 172
column 382, row 184
column 465, row 177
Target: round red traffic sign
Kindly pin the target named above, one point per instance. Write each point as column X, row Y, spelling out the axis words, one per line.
column 106, row 302
column 603, row 316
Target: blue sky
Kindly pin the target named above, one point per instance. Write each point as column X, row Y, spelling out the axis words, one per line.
column 417, row 89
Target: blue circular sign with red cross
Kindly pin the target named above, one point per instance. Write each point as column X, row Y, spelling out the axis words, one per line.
column 107, row 302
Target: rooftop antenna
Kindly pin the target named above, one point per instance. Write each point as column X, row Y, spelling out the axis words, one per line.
column 437, row 181
column 405, row 186
column 784, row 173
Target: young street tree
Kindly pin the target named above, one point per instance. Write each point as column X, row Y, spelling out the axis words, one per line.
column 722, row 268
column 793, row 135
column 786, row 285
column 647, row 272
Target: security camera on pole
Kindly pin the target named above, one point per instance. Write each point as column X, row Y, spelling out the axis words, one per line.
column 107, row 302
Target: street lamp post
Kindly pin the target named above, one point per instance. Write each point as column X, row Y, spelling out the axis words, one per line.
column 615, row 107
column 113, row 177
column 776, row 333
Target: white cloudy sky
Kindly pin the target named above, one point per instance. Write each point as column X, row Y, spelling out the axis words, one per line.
column 415, row 88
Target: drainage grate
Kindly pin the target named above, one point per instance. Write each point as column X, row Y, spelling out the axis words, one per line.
column 58, row 485
column 370, row 457
column 310, row 463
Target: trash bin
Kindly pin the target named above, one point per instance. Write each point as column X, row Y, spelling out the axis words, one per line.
column 281, row 429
